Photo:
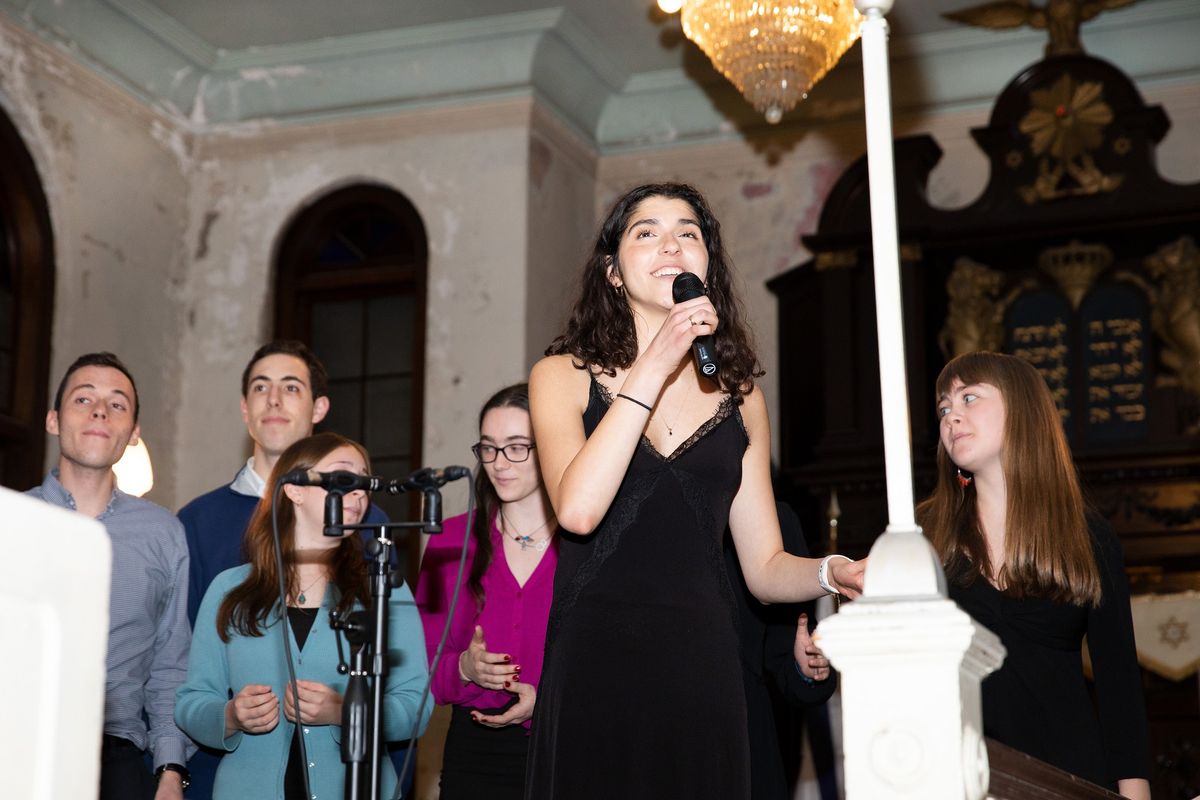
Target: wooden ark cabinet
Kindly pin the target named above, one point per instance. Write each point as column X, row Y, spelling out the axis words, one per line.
column 1077, row 256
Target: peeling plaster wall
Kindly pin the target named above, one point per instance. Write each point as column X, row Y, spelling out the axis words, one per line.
column 165, row 239
column 117, row 193
column 562, row 187
column 464, row 169
column 768, row 193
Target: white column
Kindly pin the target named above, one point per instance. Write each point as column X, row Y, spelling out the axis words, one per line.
column 912, row 728
column 54, row 586
column 911, row 661
column 897, row 440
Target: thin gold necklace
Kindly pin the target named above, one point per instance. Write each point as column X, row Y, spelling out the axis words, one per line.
column 527, row 540
column 301, row 598
column 678, row 412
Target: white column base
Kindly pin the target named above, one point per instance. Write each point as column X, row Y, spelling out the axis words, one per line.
column 910, row 676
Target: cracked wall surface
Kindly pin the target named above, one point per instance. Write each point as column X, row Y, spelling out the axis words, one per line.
column 118, row 199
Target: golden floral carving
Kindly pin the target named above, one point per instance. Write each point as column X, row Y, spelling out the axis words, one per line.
column 1065, row 123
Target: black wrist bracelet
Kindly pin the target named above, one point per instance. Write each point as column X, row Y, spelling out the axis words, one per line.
column 185, row 777
column 633, row 400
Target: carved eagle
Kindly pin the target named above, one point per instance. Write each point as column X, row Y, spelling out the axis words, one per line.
column 1061, row 18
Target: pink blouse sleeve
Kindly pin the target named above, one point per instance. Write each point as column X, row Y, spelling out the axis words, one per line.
column 435, row 590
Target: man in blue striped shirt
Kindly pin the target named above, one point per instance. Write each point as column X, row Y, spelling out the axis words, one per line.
column 95, row 417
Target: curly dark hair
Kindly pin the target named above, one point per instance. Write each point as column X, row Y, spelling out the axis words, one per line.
column 600, row 332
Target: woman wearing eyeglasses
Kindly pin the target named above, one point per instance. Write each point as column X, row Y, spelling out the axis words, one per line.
column 492, row 659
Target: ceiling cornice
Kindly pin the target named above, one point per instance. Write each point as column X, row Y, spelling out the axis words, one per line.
column 155, row 22
column 552, row 55
column 946, row 71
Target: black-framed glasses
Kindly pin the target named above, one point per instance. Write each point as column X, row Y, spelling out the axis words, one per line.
column 515, row 452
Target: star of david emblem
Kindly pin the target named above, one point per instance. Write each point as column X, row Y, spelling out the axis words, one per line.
column 1173, row 632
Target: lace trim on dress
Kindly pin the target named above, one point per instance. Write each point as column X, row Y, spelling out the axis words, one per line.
column 727, row 407
column 636, row 488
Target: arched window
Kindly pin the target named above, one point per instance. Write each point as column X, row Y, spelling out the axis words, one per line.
column 26, row 307
column 350, row 282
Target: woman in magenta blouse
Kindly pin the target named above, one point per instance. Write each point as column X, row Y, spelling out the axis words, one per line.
column 492, row 659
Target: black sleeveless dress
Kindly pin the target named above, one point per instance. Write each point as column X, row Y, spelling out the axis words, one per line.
column 641, row 693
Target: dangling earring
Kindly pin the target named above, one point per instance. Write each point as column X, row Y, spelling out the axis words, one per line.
column 964, row 480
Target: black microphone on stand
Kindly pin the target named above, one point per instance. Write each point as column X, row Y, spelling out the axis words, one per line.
column 431, row 511
column 340, row 480
column 428, row 481
column 333, row 513
column 427, row 478
column 687, row 286
column 344, row 481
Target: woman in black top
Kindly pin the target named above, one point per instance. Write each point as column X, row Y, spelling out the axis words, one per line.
column 1026, row 560
column 645, row 460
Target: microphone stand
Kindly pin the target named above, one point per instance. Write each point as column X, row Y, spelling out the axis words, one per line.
column 362, row 720
column 355, row 708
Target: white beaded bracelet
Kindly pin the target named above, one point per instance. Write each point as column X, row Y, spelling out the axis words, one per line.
column 823, row 572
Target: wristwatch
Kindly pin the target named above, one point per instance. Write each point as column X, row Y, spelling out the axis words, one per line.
column 184, row 775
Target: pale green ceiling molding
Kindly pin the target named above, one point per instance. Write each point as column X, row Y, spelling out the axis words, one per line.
column 944, row 71
column 478, row 58
column 153, row 20
column 549, row 52
column 127, row 41
column 551, row 55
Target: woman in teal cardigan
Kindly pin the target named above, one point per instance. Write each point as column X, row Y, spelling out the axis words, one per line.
column 236, row 696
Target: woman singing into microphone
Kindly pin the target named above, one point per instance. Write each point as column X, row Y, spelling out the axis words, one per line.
column 645, row 460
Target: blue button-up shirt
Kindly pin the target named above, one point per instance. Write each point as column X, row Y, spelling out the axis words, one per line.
column 148, row 632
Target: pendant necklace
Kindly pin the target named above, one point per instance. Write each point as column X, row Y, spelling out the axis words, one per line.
column 678, row 413
column 301, row 598
column 527, row 540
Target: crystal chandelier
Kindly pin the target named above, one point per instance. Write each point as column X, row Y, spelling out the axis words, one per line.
column 773, row 51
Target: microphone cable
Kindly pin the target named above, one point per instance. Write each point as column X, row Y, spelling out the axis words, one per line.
column 437, row 656
column 284, row 627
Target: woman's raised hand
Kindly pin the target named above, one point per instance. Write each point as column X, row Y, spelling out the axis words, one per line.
column 489, row 670
column 683, row 324
column 319, row 704
column 254, row 709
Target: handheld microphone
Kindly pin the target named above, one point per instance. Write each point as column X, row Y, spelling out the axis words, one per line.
column 687, row 286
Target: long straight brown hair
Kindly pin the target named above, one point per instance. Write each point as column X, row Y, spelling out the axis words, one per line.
column 249, row 606
column 1047, row 548
column 487, row 501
